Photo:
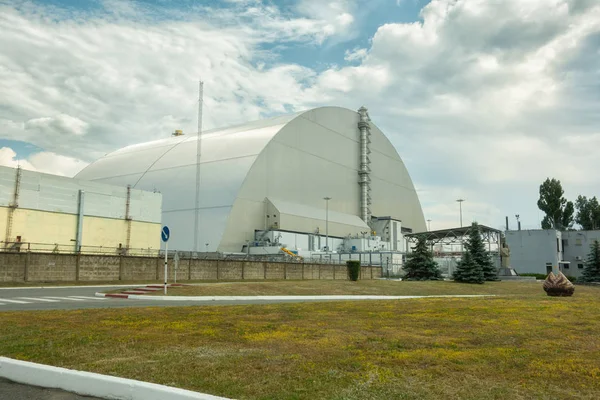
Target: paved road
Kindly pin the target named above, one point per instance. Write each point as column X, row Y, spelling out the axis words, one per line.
column 71, row 298
column 15, row 391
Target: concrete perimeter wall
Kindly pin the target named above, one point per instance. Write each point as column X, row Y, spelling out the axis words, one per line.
column 42, row 267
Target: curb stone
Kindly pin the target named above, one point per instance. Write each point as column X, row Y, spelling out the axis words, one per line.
column 92, row 384
column 280, row 298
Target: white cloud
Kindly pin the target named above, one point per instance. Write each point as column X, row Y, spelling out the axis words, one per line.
column 355, row 55
column 45, row 162
column 336, row 16
column 482, row 99
column 485, row 98
column 84, row 87
column 61, row 124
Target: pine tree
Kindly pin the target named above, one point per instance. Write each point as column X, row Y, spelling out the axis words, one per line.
column 591, row 272
column 420, row 265
column 476, row 247
column 468, row 271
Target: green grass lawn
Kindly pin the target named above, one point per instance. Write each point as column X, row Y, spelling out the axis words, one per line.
column 525, row 346
column 330, row 287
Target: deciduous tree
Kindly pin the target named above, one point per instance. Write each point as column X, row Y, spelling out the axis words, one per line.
column 559, row 211
column 588, row 213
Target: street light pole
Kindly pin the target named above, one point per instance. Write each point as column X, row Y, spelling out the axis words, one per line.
column 327, row 223
column 460, row 205
column 429, row 225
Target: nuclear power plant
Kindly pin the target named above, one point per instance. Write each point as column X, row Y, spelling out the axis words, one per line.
column 321, row 184
column 318, row 182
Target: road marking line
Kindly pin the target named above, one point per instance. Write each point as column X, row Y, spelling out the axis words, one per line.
column 16, row 301
column 38, row 299
column 63, row 298
column 88, row 297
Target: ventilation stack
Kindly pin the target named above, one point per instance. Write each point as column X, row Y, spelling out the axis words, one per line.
column 365, row 169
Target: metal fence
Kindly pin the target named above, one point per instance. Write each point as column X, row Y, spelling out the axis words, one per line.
column 57, row 248
column 375, row 259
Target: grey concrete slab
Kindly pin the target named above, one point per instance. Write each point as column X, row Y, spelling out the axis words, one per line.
column 16, row 391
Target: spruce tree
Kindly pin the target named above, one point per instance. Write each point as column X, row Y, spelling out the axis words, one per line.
column 467, row 270
column 420, row 265
column 591, row 271
column 476, row 247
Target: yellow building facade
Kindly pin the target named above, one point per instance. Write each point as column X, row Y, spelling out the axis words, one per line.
column 47, row 213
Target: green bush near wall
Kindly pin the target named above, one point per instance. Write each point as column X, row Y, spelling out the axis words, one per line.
column 353, row 269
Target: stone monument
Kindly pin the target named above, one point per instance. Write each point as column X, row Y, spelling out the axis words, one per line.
column 505, row 269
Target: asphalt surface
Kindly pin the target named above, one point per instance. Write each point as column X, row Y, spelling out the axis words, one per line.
column 15, row 391
column 73, row 298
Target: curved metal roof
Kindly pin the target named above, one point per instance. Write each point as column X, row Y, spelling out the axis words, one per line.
column 294, row 158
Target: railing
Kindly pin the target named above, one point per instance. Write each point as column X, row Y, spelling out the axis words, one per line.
column 57, row 248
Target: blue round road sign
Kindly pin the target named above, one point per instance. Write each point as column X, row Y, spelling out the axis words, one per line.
column 165, row 234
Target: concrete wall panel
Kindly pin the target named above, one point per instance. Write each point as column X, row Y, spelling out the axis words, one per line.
column 44, row 267
column 99, row 268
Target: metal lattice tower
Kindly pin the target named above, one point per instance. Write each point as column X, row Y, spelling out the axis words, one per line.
column 128, row 218
column 364, row 172
column 198, row 154
column 14, row 204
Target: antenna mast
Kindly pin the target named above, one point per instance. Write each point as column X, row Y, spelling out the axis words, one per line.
column 198, row 154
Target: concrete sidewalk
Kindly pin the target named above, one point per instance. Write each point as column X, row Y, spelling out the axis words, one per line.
column 279, row 298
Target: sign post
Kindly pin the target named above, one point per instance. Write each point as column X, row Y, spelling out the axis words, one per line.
column 164, row 235
column 176, row 264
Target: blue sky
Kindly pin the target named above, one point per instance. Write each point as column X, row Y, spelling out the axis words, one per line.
column 482, row 99
column 371, row 14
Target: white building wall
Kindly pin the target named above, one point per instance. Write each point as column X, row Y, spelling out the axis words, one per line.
column 45, row 192
column 532, row 250
column 576, row 249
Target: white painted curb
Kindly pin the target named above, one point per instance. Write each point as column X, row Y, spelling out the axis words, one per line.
column 91, row 384
column 283, row 298
column 67, row 287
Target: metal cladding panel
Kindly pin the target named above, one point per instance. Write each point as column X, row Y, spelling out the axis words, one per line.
column 124, row 163
column 149, row 207
column 219, row 183
column 217, row 147
column 7, row 185
column 48, row 193
column 169, row 167
column 105, row 205
column 61, row 194
column 316, row 213
column 317, row 155
column 297, row 158
column 181, row 223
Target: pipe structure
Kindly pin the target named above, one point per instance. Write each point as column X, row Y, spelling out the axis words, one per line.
column 365, row 169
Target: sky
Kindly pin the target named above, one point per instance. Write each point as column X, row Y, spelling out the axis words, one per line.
column 483, row 99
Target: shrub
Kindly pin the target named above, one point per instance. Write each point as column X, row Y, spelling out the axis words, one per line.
column 353, row 269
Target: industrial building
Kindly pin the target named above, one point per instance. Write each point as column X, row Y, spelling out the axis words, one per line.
column 541, row 251
column 48, row 213
column 319, row 183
